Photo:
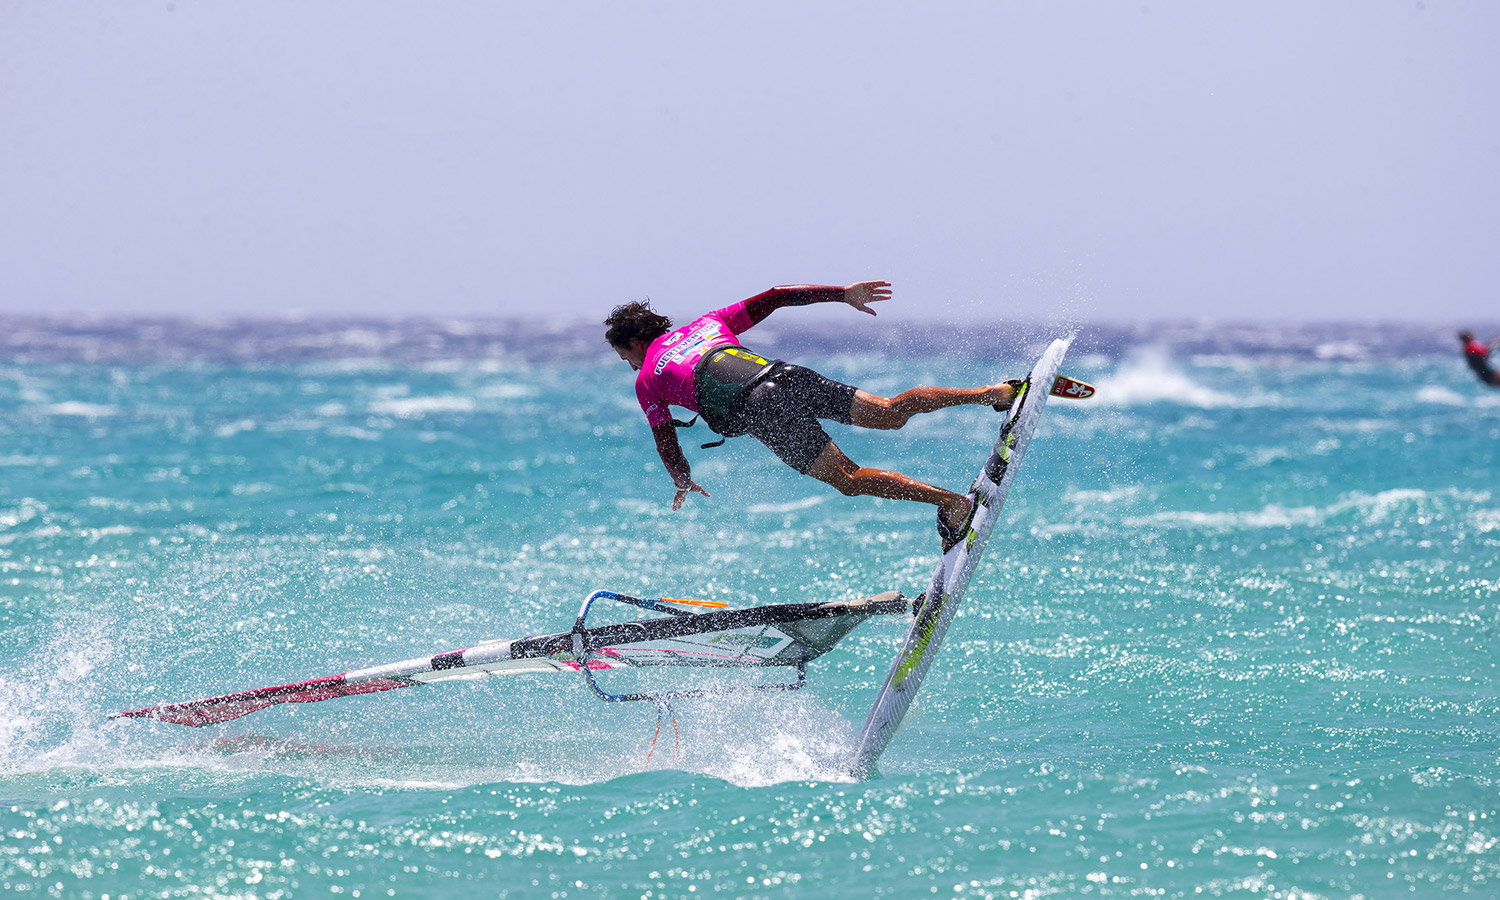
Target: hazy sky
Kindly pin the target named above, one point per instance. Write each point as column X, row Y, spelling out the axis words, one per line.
column 1097, row 161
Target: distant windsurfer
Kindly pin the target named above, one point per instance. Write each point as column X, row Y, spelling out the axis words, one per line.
column 1477, row 355
column 703, row 367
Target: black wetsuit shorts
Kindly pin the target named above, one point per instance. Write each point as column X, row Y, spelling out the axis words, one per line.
column 783, row 409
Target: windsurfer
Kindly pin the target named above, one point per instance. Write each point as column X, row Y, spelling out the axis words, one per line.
column 703, row 367
column 1477, row 355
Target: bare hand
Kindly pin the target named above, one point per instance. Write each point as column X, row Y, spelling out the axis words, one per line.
column 693, row 487
column 861, row 294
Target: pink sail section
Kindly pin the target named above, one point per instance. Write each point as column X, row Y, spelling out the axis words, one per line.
column 231, row 706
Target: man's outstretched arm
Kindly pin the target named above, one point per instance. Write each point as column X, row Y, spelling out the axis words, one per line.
column 858, row 295
column 676, row 463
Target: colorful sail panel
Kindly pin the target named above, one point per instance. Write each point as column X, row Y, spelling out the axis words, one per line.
column 214, row 710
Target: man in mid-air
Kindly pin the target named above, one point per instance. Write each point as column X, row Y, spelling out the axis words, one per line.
column 704, row 368
column 1477, row 355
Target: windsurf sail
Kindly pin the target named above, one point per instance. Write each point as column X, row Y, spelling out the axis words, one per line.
column 938, row 605
column 788, row 634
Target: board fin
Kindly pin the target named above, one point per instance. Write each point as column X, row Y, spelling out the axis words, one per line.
column 1071, row 388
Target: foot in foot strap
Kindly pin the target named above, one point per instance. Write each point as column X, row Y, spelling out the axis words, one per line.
column 1015, row 390
column 948, row 534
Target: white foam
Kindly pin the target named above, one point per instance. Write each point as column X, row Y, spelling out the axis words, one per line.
column 1437, row 394
column 1345, row 350
column 789, row 506
column 1486, row 520
column 1381, row 506
column 1100, row 498
column 507, row 391
column 1148, row 376
column 230, row 429
column 740, row 739
column 44, row 717
column 415, row 407
column 1372, row 509
column 27, row 510
column 28, row 461
column 362, row 434
column 1272, row 516
column 81, row 409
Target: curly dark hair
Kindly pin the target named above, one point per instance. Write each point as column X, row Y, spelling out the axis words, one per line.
column 629, row 321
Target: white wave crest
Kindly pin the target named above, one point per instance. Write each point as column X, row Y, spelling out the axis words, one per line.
column 1369, row 509
column 1149, row 376
column 81, row 409
column 1103, row 497
column 415, row 407
column 789, row 506
column 1439, row 395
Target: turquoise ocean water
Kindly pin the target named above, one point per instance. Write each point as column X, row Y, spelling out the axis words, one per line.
column 1235, row 635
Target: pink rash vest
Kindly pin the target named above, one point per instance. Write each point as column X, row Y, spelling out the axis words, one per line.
column 666, row 377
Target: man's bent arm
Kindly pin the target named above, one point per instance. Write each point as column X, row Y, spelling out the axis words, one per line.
column 858, row 295
column 671, row 456
column 676, row 463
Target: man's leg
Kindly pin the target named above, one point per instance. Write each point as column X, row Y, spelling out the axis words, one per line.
column 832, row 467
column 872, row 411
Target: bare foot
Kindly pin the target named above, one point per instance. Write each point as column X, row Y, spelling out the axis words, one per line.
column 953, row 516
column 1002, row 395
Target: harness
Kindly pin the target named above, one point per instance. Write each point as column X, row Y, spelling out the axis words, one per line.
column 721, row 379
